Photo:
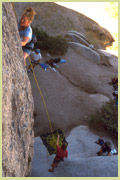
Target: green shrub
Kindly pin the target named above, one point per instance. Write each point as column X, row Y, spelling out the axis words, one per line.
column 56, row 45
column 106, row 118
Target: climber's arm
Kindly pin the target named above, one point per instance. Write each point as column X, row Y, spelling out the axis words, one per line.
column 58, row 140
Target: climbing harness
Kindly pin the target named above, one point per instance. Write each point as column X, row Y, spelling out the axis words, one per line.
column 31, row 43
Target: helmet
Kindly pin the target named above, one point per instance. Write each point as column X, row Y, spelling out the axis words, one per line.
column 37, row 50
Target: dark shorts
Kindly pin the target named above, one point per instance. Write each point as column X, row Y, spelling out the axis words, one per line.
column 28, row 51
column 57, row 161
column 35, row 62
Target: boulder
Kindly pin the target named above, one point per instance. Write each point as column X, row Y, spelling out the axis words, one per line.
column 78, row 33
column 70, row 36
column 86, row 52
column 108, row 59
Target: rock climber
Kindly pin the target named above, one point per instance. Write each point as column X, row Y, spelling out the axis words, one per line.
column 36, row 57
column 25, row 31
column 61, row 153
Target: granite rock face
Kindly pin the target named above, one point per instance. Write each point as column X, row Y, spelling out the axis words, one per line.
column 17, row 100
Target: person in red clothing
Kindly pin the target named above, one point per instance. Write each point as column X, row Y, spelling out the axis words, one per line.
column 61, row 153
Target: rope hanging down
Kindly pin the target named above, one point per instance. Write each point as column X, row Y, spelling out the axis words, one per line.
column 41, row 97
column 37, row 84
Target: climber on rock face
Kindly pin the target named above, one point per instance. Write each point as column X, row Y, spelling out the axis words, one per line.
column 25, row 31
column 61, row 153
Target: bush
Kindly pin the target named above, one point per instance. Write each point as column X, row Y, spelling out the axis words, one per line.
column 56, row 45
column 106, row 117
